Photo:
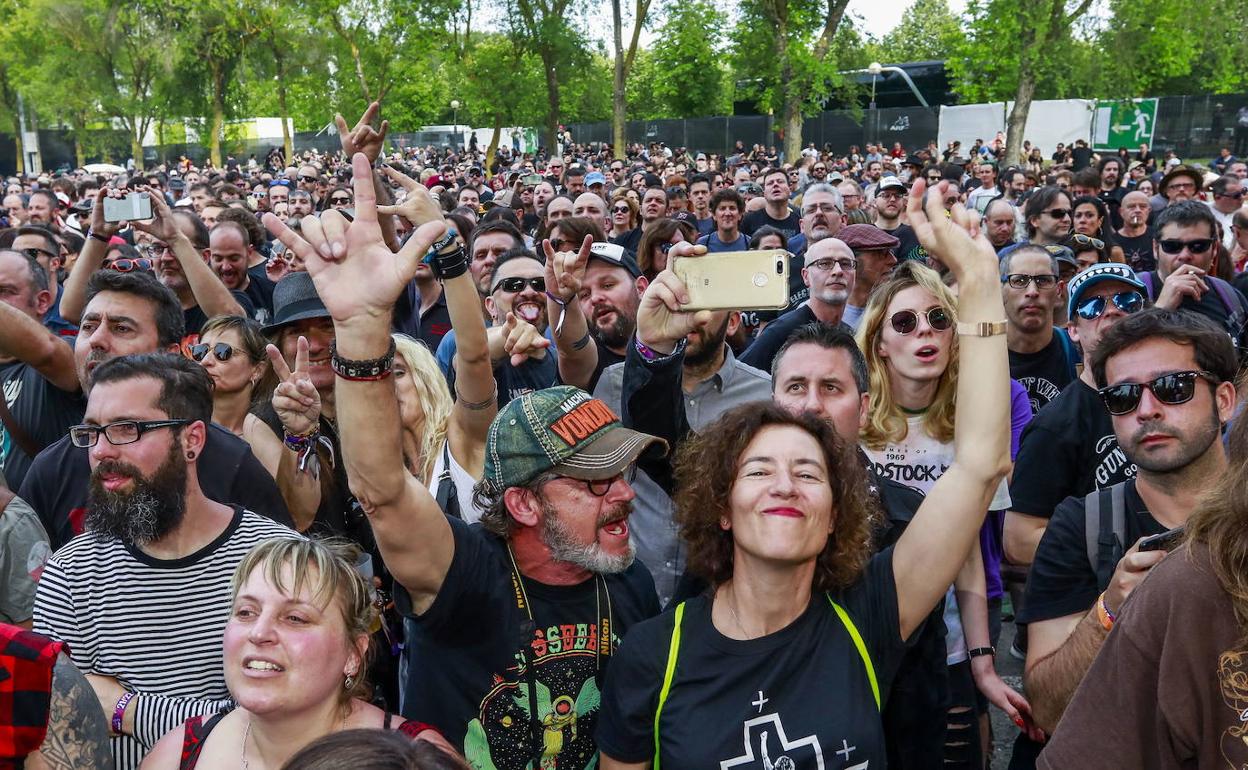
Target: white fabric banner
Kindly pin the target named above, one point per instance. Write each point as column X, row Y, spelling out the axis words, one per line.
column 967, row 122
column 1051, row 121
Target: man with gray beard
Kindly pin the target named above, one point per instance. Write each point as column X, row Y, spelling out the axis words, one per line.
column 157, row 557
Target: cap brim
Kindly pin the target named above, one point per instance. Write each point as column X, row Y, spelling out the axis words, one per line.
column 608, row 455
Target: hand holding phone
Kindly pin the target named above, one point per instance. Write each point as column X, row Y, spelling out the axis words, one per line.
column 1166, row 541
column 133, row 206
column 735, row 280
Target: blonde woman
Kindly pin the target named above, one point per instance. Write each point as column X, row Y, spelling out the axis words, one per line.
column 296, row 653
column 908, row 337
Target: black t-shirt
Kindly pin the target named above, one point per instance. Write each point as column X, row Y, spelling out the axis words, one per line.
column 259, row 293
column 1043, row 373
column 606, row 357
column 909, row 247
column 763, row 351
column 1138, row 251
column 1069, row 448
column 42, row 410
column 1062, row 580
column 56, row 484
column 465, row 671
column 1212, row 306
column 801, row 693
column 629, row 240
column 1081, row 158
column 195, row 317
column 514, row 381
column 790, row 225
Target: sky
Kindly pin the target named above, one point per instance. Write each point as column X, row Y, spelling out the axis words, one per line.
column 880, row 16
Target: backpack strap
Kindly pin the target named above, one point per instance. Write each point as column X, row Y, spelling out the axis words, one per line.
column 447, row 495
column 1092, row 524
column 1105, row 527
column 861, row 646
column 1073, row 359
column 669, row 673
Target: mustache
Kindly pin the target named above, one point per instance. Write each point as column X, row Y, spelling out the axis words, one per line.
column 618, row 512
column 1154, row 427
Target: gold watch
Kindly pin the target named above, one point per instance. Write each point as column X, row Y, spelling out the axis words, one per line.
column 981, row 328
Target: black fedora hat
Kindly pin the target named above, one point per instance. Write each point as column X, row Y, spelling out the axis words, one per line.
column 295, row 299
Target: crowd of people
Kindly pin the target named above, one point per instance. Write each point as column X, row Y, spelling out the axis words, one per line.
column 421, row 459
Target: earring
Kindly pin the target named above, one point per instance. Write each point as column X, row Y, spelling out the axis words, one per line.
column 190, row 455
column 349, row 682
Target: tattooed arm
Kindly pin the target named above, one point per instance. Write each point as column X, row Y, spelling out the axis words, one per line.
column 77, row 734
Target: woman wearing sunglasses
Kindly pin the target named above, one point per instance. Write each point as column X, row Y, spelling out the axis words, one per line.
column 1091, row 219
column 623, row 213
column 658, row 240
column 907, row 334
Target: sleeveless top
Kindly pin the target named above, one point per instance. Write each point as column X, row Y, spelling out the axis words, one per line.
column 196, row 731
column 451, row 481
column 26, row 662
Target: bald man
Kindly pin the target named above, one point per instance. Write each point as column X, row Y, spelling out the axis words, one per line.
column 591, row 205
column 1135, row 236
column 829, row 274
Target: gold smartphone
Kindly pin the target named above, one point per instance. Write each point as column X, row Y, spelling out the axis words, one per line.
column 736, row 280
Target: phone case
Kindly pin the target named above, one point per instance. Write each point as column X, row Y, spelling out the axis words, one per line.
column 736, row 280
column 135, row 206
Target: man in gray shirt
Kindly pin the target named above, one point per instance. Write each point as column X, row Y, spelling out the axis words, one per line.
column 713, row 381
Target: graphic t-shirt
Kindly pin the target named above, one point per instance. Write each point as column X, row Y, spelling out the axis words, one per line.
column 40, row 408
column 798, row 698
column 909, row 247
column 1138, row 251
column 465, row 666
column 789, row 226
column 1043, row 373
column 1068, row 449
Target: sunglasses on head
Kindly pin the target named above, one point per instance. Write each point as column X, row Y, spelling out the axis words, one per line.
column 1086, row 240
column 906, row 321
column 1176, row 245
column 220, row 351
column 1126, row 301
column 1174, row 388
column 516, row 284
column 127, row 265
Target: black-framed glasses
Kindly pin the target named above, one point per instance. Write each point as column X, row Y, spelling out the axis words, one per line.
column 1087, row 240
column 34, row 252
column 1127, row 301
column 1174, row 388
column 1176, row 245
column 221, row 351
column 311, row 179
column 516, row 284
column 1021, row 280
column 118, row 433
column 1058, row 213
column 906, row 321
column 600, row 487
column 817, row 169
column 1233, row 196
column 154, row 251
column 847, row 264
column 127, row 265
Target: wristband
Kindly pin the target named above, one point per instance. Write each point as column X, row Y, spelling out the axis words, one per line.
column 119, row 711
column 1104, row 614
column 981, row 328
column 445, row 240
column 447, row 266
column 976, row 652
column 361, row 371
column 650, row 354
column 93, row 234
column 299, row 441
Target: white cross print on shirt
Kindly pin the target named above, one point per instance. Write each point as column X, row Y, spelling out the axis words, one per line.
column 760, row 702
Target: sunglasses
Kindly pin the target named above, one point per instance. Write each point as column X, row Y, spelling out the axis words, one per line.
column 307, row 179
column 259, row 194
column 906, row 321
column 666, row 246
column 1172, row 389
column 340, row 200
column 1233, row 196
column 1176, row 246
column 127, row 265
column 1021, row 280
column 516, row 284
column 1126, row 301
column 1086, row 240
column 220, row 351
column 1058, row 213
column 621, row 210
column 34, row 252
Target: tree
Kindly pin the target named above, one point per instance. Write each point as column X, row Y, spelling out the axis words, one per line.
column 785, row 45
column 545, row 28
column 623, row 64
column 1016, row 44
column 491, row 61
column 928, row 30
column 215, row 33
column 691, row 79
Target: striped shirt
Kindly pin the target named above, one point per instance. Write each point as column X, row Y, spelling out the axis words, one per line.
column 156, row 625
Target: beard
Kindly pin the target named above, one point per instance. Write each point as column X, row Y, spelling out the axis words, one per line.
column 151, row 510
column 565, row 547
column 617, row 333
column 1192, row 444
column 704, row 346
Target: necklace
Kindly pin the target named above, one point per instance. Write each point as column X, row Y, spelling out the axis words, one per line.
column 735, row 617
column 246, row 764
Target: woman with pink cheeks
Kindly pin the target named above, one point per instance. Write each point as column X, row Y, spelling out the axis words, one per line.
column 908, row 337
column 296, row 655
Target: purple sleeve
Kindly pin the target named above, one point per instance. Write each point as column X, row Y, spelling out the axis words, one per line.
column 1020, row 414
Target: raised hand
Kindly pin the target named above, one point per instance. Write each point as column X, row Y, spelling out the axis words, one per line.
column 522, row 340
column 363, row 138
column 355, row 272
column 565, row 270
column 162, row 225
column 418, row 206
column 953, row 237
column 661, row 322
column 295, row 399
column 98, row 225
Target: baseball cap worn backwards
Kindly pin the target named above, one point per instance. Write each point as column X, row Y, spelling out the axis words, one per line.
column 564, row 430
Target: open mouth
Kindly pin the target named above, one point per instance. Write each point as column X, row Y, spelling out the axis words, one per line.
column 528, row 311
column 259, row 665
column 927, row 353
column 617, row 528
column 114, row 481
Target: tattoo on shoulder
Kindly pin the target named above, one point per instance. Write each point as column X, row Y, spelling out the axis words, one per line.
column 77, row 734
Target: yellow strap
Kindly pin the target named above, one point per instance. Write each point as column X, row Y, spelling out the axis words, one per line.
column 862, row 648
column 672, row 650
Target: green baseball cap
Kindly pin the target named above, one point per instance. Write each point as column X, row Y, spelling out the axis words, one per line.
column 561, row 429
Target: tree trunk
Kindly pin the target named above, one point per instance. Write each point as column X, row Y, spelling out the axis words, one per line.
column 552, row 96
column 792, row 127
column 494, row 139
column 618, row 96
column 136, row 145
column 17, row 144
column 1017, row 120
column 791, row 110
column 283, row 110
column 218, row 114
column 80, row 156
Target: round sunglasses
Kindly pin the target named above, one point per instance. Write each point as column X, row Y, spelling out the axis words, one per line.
column 906, row 321
column 1172, row 389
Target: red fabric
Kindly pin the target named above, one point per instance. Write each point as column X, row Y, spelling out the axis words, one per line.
column 26, row 661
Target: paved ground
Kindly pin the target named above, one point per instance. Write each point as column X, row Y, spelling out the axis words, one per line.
column 1011, row 670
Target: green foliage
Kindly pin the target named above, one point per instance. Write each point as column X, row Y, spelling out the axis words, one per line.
column 928, row 30
column 688, row 77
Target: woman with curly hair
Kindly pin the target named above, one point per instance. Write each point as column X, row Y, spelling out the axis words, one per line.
column 907, row 334
column 802, row 628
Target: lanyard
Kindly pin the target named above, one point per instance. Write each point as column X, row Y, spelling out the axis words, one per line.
column 601, row 653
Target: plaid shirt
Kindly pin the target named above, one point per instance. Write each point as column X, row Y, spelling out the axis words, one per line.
column 26, row 661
